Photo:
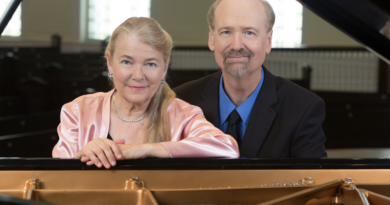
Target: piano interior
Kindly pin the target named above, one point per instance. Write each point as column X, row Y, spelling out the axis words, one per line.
column 198, row 186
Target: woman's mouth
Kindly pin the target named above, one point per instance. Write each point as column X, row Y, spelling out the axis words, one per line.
column 137, row 88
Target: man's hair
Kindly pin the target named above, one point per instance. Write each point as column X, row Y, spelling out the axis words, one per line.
column 269, row 12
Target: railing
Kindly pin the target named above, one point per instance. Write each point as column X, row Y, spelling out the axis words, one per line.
column 333, row 69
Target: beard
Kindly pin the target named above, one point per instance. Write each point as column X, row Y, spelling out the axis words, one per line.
column 237, row 69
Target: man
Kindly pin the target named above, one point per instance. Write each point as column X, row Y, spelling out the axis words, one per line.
column 270, row 117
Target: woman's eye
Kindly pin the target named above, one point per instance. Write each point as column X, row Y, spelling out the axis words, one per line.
column 125, row 62
column 151, row 65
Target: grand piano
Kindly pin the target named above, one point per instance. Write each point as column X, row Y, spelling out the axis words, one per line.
column 220, row 181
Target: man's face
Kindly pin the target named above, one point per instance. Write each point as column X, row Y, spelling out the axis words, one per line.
column 239, row 39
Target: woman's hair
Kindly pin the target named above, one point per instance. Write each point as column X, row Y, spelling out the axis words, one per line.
column 148, row 31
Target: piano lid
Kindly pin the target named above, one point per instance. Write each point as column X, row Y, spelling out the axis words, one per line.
column 366, row 21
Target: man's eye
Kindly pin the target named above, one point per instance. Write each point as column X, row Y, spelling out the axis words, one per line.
column 225, row 32
column 151, row 65
column 125, row 62
column 249, row 33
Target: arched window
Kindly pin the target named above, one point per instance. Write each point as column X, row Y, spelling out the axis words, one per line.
column 288, row 24
column 14, row 26
column 105, row 15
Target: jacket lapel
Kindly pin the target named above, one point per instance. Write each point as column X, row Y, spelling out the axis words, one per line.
column 261, row 119
column 210, row 95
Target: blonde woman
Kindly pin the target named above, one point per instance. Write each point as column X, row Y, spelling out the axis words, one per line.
column 141, row 114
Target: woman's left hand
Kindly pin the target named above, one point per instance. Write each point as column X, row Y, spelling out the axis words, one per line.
column 141, row 151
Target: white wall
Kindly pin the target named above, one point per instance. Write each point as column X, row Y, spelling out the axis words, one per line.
column 317, row 33
column 185, row 20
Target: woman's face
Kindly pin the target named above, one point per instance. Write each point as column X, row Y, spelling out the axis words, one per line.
column 138, row 69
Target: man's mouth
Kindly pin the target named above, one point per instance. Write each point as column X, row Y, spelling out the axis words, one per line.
column 236, row 59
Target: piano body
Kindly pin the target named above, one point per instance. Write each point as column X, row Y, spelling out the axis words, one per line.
column 220, row 181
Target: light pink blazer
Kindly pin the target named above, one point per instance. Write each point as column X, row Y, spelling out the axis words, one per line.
column 88, row 117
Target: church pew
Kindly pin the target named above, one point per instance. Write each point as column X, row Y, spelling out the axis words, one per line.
column 30, row 144
column 13, row 105
column 29, row 123
column 356, row 120
column 178, row 77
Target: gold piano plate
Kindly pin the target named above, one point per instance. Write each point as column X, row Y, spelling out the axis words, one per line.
column 364, row 186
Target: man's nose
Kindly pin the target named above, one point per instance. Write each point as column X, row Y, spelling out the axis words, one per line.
column 138, row 74
column 237, row 43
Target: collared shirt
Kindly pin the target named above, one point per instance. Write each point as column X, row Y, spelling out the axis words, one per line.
column 244, row 110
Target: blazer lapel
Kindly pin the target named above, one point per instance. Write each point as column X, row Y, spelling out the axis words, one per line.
column 261, row 119
column 210, row 95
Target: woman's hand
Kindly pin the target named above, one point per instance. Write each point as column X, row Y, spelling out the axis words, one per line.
column 101, row 151
column 134, row 151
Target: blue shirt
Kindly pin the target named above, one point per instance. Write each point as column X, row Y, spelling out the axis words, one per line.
column 244, row 110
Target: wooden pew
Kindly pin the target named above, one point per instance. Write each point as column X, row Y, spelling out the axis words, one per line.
column 356, row 120
column 29, row 123
column 178, row 77
column 13, row 105
column 30, row 144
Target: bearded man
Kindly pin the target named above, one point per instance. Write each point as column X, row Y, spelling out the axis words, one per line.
column 270, row 117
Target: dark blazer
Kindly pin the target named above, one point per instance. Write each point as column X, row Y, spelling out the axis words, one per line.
column 286, row 119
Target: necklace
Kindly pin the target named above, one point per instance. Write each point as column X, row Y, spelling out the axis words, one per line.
column 137, row 120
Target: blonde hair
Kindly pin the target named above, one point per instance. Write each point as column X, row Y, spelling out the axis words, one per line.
column 269, row 12
column 148, row 31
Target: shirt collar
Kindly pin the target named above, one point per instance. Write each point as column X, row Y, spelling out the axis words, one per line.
column 244, row 110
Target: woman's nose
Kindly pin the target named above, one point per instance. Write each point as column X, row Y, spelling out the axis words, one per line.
column 138, row 73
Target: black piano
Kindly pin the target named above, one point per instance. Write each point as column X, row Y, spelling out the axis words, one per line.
column 220, row 181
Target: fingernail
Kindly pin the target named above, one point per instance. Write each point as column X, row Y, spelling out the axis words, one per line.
column 108, row 165
column 113, row 163
column 119, row 156
column 99, row 165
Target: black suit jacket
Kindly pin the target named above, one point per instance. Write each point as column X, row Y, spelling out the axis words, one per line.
column 286, row 119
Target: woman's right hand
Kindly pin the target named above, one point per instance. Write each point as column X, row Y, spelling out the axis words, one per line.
column 101, row 151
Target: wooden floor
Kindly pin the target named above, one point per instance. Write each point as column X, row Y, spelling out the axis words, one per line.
column 359, row 153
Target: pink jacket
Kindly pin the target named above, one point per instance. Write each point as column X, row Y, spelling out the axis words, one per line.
column 88, row 117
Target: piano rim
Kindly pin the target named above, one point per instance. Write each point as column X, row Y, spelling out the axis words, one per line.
column 195, row 164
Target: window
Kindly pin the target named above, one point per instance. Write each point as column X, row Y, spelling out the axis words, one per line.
column 288, row 24
column 15, row 24
column 105, row 15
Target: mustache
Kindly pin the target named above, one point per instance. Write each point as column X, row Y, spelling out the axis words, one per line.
column 240, row 53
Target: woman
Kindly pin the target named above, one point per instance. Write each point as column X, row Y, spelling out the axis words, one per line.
column 141, row 114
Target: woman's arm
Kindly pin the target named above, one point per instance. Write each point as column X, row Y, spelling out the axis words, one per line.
column 140, row 151
column 130, row 151
column 68, row 130
column 192, row 136
column 100, row 151
column 199, row 138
